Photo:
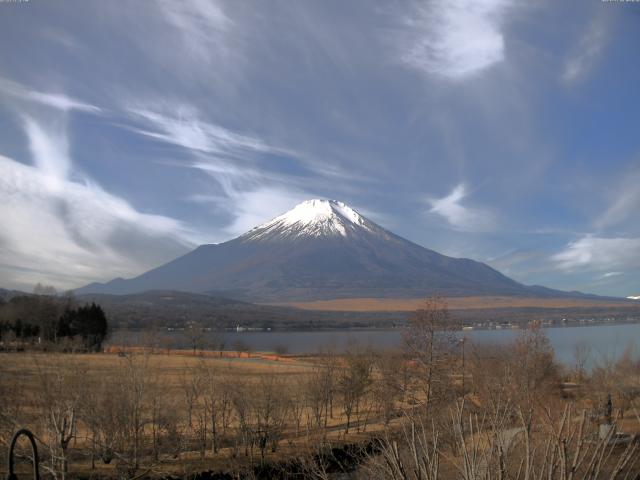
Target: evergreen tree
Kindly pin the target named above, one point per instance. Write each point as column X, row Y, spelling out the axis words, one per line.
column 54, row 319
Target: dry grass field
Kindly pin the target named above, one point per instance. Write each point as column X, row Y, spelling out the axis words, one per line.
column 179, row 397
column 454, row 303
column 136, row 413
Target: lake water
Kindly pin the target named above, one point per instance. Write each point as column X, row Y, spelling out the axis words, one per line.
column 605, row 342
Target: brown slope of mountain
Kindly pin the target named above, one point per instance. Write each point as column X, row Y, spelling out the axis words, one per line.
column 454, row 303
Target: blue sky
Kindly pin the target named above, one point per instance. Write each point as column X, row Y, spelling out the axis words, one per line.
column 499, row 130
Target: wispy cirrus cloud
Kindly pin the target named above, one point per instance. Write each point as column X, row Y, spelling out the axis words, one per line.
column 216, row 148
column 61, row 227
column 57, row 101
column 248, row 192
column 231, row 158
column 76, row 234
column 625, row 203
column 460, row 216
column 49, row 149
column 612, row 254
column 612, row 274
column 455, row 40
column 185, row 128
column 600, row 254
column 586, row 51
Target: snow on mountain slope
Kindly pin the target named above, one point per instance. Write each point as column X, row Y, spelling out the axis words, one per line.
column 312, row 218
column 632, row 297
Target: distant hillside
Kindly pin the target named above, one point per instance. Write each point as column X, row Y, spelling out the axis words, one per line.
column 171, row 308
column 6, row 295
column 163, row 309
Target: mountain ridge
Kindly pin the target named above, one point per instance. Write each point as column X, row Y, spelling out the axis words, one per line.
column 321, row 249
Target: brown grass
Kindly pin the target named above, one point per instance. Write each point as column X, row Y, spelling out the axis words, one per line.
column 22, row 372
column 454, row 303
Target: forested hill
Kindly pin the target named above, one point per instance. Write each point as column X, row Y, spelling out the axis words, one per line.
column 171, row 308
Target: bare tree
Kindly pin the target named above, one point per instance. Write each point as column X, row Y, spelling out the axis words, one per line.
column 241, row 397
column 191, row 386
column 196, row 336
column 553, row 447
column 130, row 392
column 581, row 354
column 225, row 398
column 270, row 405
column 213, row 400
column 430, row 341
column 60, row 383
column 319, row 391
column 297, row 405
column 389, row 385
column 534, row 366
column 354, row 380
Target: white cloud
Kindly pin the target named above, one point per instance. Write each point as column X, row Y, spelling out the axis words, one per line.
column 70, row 231
column 219, row 150
column 236, row 161
column 459, row 216
column 612, row 274
column 253, row 208
column 61, row 102
column 231, row 158
column 586, row 52
column 603, row 252
column 50, row 152
column 184, row 128
column 54, row 100
column 455, row 39
column 249, row 193
column 76, row 234
column 599, row 253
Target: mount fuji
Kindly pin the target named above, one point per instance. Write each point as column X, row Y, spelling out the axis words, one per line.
column 321, row 249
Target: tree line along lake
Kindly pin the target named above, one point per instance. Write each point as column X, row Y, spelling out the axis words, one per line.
column 602, row 342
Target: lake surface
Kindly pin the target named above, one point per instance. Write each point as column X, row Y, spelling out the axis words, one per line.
column 605, row 342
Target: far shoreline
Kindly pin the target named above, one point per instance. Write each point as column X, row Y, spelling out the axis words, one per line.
column 367, row 328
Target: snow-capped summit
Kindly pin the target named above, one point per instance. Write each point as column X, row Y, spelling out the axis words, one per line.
column 313, row 218
column 634, row 297
column 315, row 211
